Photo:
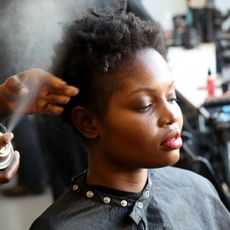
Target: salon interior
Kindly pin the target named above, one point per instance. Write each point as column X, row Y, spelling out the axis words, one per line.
column 197, row 34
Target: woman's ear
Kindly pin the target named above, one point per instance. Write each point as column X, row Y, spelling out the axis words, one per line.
column 85, row 122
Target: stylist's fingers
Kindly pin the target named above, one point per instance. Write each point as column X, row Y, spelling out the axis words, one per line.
column 5, row 138
column 54, row 82
column 9, row 172
column 66, row 90
column 54, row 109
column 56, row 99
column 71, row 91
column 49, row 82
column 46, row 106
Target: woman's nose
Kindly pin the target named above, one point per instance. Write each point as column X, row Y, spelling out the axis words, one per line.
column 168, row 114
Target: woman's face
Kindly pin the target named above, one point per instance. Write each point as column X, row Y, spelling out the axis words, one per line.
column 142, row 125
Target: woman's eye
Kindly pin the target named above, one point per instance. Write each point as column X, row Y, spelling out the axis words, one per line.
column 145, row 108
column 172, row 99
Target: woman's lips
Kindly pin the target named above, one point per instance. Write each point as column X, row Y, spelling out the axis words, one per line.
column 172, row 141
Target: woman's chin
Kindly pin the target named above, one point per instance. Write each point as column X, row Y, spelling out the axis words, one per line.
column 170, row 159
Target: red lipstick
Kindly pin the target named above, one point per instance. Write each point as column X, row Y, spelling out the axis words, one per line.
column 172, row 141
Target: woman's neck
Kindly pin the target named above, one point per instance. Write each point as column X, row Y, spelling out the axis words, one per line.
column 116, row 178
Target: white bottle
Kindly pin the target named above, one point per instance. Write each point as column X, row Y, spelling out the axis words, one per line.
column 6, row 155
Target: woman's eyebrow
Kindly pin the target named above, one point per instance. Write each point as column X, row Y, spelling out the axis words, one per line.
column 150, row 90
column 143, row 89
column 172, row 84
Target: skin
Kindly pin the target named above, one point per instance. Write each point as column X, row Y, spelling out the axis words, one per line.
column 127, row 139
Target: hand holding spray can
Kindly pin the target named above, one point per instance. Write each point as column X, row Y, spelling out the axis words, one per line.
column 6, row 155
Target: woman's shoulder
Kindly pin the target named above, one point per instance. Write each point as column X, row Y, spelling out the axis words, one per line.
column 174, row 177
column 57, row 215
column 176, row 189
column 175, row 173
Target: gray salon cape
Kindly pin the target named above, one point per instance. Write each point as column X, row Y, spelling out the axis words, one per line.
column 172, row 199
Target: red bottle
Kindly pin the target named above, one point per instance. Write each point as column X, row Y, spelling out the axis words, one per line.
column 211, row 84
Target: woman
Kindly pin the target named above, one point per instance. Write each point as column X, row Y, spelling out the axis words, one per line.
column 127, row 119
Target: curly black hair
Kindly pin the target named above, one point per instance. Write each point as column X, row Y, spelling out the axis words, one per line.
column 96, row 46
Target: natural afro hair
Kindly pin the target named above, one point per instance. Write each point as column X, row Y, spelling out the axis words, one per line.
column 97, row 45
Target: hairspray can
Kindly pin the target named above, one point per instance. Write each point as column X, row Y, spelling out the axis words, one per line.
column 6, row 155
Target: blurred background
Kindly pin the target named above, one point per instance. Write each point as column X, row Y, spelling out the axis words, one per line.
column 197, row 34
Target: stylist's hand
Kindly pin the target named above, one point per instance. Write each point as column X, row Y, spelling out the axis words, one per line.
column 11, row 170
column 47, row 93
